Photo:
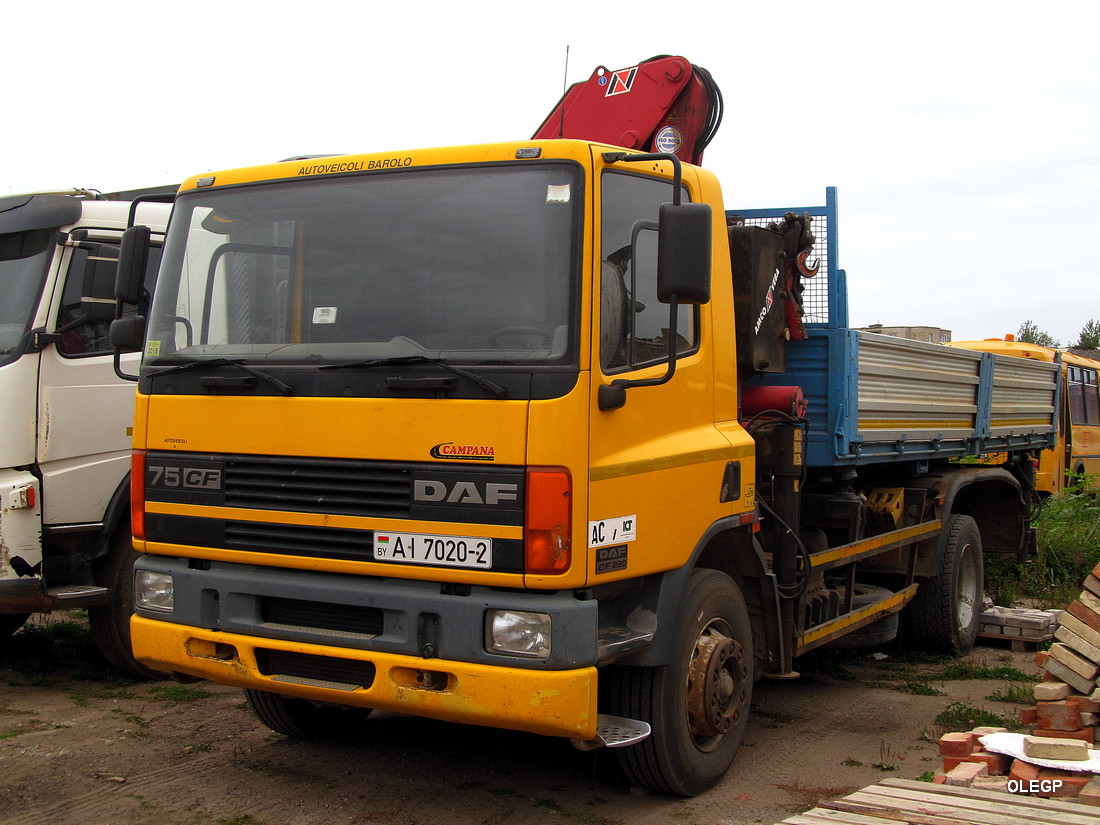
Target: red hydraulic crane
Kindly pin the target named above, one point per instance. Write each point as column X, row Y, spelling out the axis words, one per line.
column 664, row 104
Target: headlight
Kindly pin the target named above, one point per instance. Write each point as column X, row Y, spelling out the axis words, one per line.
column 518, row 633
column 153, row 591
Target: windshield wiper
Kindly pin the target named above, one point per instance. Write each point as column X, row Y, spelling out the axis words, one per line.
column 283, row 387
column 492, row 387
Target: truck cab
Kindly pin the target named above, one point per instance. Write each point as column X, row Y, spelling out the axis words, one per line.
column 66, row 415
column 539, row 436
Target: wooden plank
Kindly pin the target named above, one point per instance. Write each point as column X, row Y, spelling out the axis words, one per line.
column 1021, row 800
column 979, row 810
column 983, row 813
column 908, row 816
column 897, row 814
column 906, row 801
column 819, row 816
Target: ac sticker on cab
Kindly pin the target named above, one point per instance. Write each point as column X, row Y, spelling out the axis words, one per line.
column 609, row 537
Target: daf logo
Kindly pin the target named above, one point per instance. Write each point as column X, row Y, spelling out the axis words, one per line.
column 464, row 492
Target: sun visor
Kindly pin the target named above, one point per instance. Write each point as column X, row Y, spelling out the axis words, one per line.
column 24, row 213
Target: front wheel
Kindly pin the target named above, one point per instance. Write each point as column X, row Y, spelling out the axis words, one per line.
column 946, row 613
column 698, row 705
column 300, row 719
column 110, row 623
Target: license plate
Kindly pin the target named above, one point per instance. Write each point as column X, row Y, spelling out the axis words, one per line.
column 440, row 551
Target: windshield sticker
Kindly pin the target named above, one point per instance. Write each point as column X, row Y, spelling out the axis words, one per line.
column 612, row 531
column 152, row 349
column 558, row 193
column 324, row 315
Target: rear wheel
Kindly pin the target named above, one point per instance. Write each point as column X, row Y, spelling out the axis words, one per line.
column 698, row 705
column 300, row 719
column 110, row 623
column 946, row 612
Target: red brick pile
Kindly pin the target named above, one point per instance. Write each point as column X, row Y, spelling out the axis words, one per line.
column 966, row 763
column 1067, row 707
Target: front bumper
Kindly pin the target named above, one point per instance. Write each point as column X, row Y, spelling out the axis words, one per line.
column 548, row 702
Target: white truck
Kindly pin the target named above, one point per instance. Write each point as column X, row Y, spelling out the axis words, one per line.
column 66, row 415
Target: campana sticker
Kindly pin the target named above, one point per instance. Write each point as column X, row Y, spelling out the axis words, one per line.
column 463, row 452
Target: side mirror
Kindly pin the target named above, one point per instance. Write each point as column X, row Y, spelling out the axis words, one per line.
column 133, row 259
column 683, row 253
column 128, row 334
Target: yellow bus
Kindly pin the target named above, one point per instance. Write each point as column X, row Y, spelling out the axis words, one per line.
column 1077, row 454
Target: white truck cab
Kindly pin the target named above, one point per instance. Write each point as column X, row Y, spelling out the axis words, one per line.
column 65, row 416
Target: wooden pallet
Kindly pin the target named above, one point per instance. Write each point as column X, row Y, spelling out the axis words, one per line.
column 894, row 801
column 1019, row 644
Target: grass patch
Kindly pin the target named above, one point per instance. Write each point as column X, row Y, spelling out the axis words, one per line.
column 41, row 652
column 956, row 671
column 920, row 689
column 1016, row 693
column 963, row 716
column 1068, row 536
column 179, row 693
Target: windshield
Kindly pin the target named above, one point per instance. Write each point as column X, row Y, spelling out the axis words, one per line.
column 473, row 265
column 24, row 257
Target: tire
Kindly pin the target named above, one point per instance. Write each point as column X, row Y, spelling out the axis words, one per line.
column 300, row 719
column 11, row 622
column 945, row 615
column 697, row 706
column 110, row 623
column 883, row 631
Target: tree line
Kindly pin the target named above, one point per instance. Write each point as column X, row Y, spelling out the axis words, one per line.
column 1031, row 334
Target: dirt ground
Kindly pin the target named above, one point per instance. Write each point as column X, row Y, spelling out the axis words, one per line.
column 79, row 746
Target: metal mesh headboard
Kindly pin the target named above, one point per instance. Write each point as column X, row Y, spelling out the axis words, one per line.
column 824, row 298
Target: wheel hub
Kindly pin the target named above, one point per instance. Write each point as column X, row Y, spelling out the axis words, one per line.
column 715, row 689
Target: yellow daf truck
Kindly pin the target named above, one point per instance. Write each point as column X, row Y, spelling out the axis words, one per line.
column 542, row 436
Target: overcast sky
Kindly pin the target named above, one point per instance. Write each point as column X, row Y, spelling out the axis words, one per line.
column 963, row 137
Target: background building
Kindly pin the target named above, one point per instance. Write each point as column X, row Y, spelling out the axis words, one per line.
column 932, row 335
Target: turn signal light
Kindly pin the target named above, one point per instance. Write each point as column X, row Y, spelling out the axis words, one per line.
column 547, row 526
column 137, row 494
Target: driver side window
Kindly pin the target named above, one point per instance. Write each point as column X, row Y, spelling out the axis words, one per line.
column 633, row 323
column 91, row 275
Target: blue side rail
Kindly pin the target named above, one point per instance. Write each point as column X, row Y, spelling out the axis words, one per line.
column 877, row 399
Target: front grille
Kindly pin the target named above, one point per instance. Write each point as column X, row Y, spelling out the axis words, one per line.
column 338, row 486
column 299, row 540
column 342, row 618
column 320, row 668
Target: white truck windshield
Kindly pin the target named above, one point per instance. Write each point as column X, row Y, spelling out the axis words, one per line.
column 24, row 257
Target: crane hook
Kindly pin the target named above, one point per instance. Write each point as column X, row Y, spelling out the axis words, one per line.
column 804, row 271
